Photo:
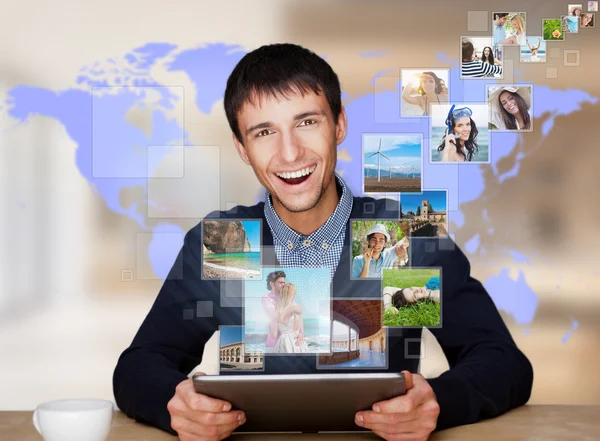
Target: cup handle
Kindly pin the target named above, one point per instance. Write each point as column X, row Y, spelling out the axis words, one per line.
column 36, row 422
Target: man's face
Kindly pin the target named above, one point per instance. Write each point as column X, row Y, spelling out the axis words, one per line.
column 378, row 242
column 501, row 21
column 291, row 144
column 278, row 284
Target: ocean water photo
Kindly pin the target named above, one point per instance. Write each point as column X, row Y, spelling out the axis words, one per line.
column 247, row 261
column 482, row 155
column 316, row 334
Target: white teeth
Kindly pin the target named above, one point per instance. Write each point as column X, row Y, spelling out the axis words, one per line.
column 297, row 174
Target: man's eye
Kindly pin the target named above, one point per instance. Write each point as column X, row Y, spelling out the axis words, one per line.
column 263, row 132
column 308, row 122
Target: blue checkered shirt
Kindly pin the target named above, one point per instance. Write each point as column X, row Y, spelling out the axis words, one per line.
column 322, row 248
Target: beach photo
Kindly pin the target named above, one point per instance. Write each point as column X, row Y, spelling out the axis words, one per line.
column 378, row 244
column 426, row 212
column 232, row 354
column 570, row 24
column 392, row 163
column 231, row 249
column 358, row 340
column 552, row 29
column 534, row 50
column 411, row 297
column 288, row 312
column 421, row 88
column 459, row 133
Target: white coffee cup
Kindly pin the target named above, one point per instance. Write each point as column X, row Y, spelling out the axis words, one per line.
column 74, row 420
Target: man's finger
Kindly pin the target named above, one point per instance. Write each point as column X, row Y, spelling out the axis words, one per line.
column 218, row 419
column 369, row 418
column 408, row 380
column 205, row 403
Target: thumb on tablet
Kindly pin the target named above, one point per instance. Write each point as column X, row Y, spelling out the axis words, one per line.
column 408, row 380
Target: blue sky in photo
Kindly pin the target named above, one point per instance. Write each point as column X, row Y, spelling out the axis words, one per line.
column 410, row 201
column 230, row 334
column 401, row 149
column 253, row 233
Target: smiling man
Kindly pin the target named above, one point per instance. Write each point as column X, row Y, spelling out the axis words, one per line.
column 377, row 257
column 283, row 104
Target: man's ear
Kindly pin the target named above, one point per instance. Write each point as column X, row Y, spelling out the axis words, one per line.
column 341, row 127
column 240, row 149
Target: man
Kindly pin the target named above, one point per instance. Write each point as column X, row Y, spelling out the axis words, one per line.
column 275, row 281
column 499, row 30
column 476, row 69
column 377, row 257
column 283, row 104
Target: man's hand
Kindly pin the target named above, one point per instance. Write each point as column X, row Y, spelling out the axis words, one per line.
column 412, row 416
column 401, row 250
column 368, row 255
column 197, row 417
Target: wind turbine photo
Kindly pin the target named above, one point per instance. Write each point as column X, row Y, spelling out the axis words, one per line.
column 378, row 152
column 404, row 153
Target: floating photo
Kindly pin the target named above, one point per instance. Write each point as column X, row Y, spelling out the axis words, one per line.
column 592, row 6
column 231, row 249
column 378, row 244
column 480, row 58
column 392, row 163
column 358, row 338
column 411, row 297
column 508, row 28
column 232, row 354
column 575, row 9
column 467, row 125
column 588, row 20
column 288, row 312
column 421, row 88
column 552, row 29
column 511, row 107
column 534, row 51
column 427, row 213
column 570, row 24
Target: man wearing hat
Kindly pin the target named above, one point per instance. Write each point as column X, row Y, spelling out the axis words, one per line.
column 511, row 108
column 376, row 258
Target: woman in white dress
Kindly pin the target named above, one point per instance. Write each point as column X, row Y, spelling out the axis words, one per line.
column 291, row 324
column 518, row 24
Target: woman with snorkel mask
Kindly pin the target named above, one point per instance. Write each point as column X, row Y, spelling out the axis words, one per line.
column 459, row 144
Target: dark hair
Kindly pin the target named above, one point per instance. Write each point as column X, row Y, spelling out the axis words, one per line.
column 486, row 59
column 272, row 277
column 279, row 70
column 591, row 23
column 440, row 85
column 470, row 144
column 500, row 15
column 467, row 50
column 509, row 120
column 398, row 299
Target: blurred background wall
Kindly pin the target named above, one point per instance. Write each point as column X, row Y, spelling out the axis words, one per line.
column 67, row 306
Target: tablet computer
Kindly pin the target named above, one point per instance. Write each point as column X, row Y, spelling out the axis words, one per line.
column 301, row 403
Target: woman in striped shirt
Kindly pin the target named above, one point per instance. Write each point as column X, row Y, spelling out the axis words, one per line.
column 476, row 69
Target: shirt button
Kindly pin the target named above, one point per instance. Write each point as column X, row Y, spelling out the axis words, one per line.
column 324, row 245
column 306, row 242
column 290, row 245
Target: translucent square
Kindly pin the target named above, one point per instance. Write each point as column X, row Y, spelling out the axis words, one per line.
column 126, row 275
column 193, row 196
column 188, row 314
column 551, row 72
column 204, row 308
column 165, row 161
column 414, row 349
column 508, row 71
column 120, row 138
column 571, row 58
column 430, row 246
column 156, row 256
column 477, row 21
column 555, row 52
column 368, row 207
column 449, row 243
column 386, row 98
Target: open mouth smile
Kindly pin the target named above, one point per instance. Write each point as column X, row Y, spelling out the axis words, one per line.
column 296, row 177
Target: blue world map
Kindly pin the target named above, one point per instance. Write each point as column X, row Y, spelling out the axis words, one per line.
column 111, row 153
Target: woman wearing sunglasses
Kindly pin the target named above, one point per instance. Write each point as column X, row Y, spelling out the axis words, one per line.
column 460, row 141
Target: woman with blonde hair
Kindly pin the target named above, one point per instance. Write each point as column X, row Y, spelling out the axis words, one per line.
column 518, row 23
column 291, row 324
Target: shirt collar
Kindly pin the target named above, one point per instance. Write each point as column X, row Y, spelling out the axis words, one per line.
column 327, row 233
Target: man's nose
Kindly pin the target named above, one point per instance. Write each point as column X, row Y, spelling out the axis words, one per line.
column 291, row 147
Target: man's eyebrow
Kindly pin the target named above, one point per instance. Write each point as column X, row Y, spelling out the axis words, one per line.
column 268, row 124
